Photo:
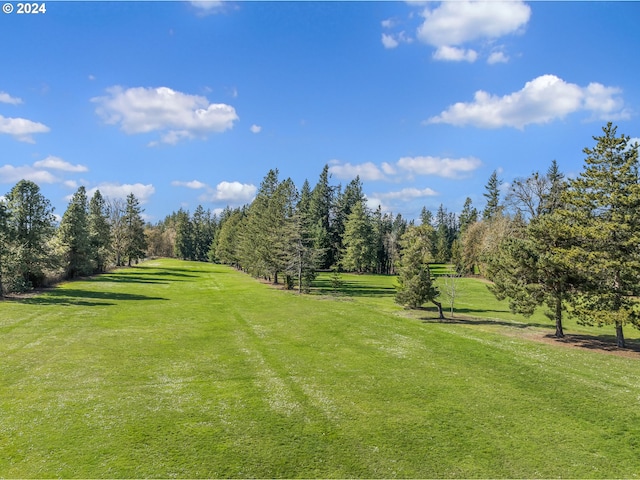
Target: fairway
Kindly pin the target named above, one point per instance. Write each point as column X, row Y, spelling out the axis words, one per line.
column 188, row 370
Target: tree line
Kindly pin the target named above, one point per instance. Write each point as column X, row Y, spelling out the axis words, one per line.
column 91, row 236
column 570, row 244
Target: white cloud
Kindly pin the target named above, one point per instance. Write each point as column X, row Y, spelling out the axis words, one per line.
column 374, row 202
column 455, row 54
column 71, row 184
column 542, row 100
column 408, row 194
column 115, row 190
column 388, row 168
column 21, row 128
column 6, row 98
column 55, row 163
column 604, row 103
column 256, row 128
column 456, row 23
column 193, row 184
column 233, row 192
column 388, row 23
column 452, row 24
column 442, row 167
column 177, row 115
column 208, row 7
column 347, row 171
column 497, row 57
column 11, row 174
column 388, row 41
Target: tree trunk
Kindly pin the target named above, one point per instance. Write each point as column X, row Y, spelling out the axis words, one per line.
column 440, row 313
column 619, row 335
column 275, row 277
column 558, row 318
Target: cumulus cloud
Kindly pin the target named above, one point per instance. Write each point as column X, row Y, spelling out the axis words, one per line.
column 6, row 98
column 193, row 184
column 256, row 128
column 347, row 171
column 388, row 41
column 456, row 23
column 12, row 174
column 21, row 128
column 542, row 100
column 497, row 57
column 450, row 25
column 175, row 114
column 116, row 190
column 455, row 54
column 235, row 192
column 441, row 167
column 56, row 163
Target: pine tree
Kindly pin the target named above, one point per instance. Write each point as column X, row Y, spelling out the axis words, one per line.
column 531, row 265
column 603, row 211
column 116, row 209
column 4, row 244
column 320, row 206
column 468, row 216
column 30, row 225
column 358, row 254
column 135, row 245
column 415, row 283
column 227, row 245
column 75, row 238
column 184, row 247
column 492, row 194
column 99, row 232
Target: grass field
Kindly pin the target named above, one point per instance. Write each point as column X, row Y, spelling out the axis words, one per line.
column 176, row 369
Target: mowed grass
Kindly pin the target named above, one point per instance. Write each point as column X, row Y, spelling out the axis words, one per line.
column 178, row 369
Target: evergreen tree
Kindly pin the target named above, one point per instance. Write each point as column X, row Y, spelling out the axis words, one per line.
column 358, row 252
column 603, row 212
column 30, row 224
column 343, row 207
column 320, row 206
column 99, row 232
column 415, row 283
column 116, row 209
column 75, row 238
column 426, row 217
column 468, row 216
column 135, row 245
column 185, row 236
column 4, row 244
column 227, row 246
column 492, row 194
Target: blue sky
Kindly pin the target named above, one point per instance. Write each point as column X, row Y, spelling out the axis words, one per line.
column 187, row 103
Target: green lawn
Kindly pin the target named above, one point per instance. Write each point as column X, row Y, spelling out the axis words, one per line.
column 178, row 369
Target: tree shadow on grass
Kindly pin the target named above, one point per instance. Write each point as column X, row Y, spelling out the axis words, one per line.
column 352, row 289
column 165, row 271
column 605, row 343
column 142, row 275
column 80, row 297
column 483, row 321
column 602, row 343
